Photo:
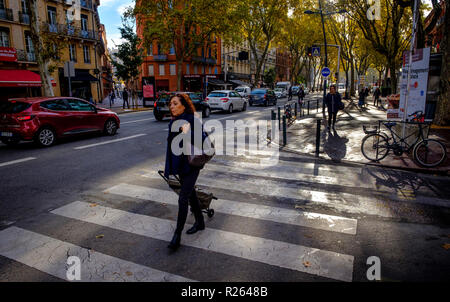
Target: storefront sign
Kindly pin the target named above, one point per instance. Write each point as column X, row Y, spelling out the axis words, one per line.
column 148, row 91
column 8, row 54
column 418, row 82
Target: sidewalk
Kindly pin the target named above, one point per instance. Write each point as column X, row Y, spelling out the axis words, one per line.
column 117, row 107
column 345, row 144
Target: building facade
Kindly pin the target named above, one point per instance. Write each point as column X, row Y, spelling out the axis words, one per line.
column 77, row 21
column 237, row 72
column 283, row 65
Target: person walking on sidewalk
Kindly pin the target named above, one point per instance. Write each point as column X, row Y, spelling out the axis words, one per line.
column 376, row 96
column 125, row 98
column 290, row 94
column 182, row 109
column 333, row 101
column 301, row 95
column 362, row 98
column 112, row 97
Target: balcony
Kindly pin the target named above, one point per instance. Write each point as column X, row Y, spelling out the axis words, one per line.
column 24, row 18
column 52, row 28
column 160, row 58
column 24, row 56
column 6, row 14
column 76, row 32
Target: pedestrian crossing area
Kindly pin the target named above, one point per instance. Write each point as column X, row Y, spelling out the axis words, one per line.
column 248, row 239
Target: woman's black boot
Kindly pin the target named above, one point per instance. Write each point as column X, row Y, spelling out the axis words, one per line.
column 175, row 243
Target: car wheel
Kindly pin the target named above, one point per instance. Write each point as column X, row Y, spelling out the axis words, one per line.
column 206, row 112
column 10, row 141
column 230, row 109
column 45, row 137
column 244, row 108
column 158, row 117
column 110, row 127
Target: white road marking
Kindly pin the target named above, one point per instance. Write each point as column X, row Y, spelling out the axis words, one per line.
column 16, row 161
column 286, row 255
column 262, row 212
column 50, row 256
column 109, row 142
column 145, row 119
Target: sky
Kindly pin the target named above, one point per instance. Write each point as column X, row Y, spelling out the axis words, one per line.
column 110, row 14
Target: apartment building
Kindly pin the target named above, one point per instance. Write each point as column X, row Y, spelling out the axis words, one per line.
column 76, row 20
column 237, row 72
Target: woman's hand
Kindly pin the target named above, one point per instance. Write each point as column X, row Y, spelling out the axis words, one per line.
column 185, row 128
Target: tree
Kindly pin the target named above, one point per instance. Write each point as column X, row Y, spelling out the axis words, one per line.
column 48, row 46
column 129, row 57
column 270, row 76
column 187, row 26
column 261, row 21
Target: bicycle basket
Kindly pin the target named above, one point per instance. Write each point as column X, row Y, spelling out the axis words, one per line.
column 369, row 129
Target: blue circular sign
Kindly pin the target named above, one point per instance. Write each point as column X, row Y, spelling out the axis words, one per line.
column 326, row 72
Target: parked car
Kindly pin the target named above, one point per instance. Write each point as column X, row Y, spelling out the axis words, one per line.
column 45, row 119
column 295, row 90
column 341, row 88
column 227, row 100
column 280, row 92
column 262, row 96
column 244, row 91
column 161, row 106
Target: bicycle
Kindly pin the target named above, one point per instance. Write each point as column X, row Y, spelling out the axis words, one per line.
column 376, row 145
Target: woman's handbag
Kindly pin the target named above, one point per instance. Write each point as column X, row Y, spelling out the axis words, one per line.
column 341, row 105
column 198, row 158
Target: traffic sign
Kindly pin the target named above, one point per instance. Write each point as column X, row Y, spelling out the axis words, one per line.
column 326, row 72
column 316, row 51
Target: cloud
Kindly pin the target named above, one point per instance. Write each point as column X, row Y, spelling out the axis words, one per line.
column 122, row 8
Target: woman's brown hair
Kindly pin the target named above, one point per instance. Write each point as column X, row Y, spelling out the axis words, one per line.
column 185, row 101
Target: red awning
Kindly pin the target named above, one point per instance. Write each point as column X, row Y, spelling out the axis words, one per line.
column 20, row 78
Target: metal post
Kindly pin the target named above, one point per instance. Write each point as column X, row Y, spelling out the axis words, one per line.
column 284, row 130
column 295, row 109
column 308, row 108
column 279, row 117
column 326, row 60
column 318, row 137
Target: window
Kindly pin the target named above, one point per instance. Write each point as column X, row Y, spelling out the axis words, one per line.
column 2, row 4
column 150, row 50
column 161, row 70
column 187, row 69
column 173, row 69
column 170, row 3
column 78, row 105
column 73, row 52
column 87, row 55
column 209, row 70
column 159, row 49
column 215, row 70
column 84, row 22
column 172, row 50
column 151, row 71
column 24, row 7
column 29, row 47
column 51, row 15
column 4, row 37
column 195, row 69
column 58, row 105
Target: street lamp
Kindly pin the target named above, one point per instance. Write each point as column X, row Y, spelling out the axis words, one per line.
column 322, row 14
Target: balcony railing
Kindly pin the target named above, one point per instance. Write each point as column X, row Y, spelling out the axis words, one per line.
column 25, row 56
column 24, row 18
column 72, row 31
column 6, row 14
column 53, row 28
column 160, row 57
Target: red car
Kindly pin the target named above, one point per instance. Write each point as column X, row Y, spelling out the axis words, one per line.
column 46, row 119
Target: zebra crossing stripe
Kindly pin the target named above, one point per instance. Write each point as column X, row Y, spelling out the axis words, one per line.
column 286, row 255
column 262, row 212
column 50, row 256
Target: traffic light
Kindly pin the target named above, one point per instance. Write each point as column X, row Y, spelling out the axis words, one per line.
column 309, row 51
column 243, row 56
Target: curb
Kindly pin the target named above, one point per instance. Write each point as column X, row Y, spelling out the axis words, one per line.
column 349, row 162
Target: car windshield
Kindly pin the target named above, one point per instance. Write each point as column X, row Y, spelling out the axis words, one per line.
column 164, row 97
column 13, row 106
column 217, row 95
column 259, row 91
column 239, row 89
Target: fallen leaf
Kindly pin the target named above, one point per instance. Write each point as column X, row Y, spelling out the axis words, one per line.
column 99, row 236
column 93, row 205
column 446, row 246
column 306, row 264
column 129, row 273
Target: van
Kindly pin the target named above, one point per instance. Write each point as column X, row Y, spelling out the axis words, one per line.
column 244, row 91
column 284, row 85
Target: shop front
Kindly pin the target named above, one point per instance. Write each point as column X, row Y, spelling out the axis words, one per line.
column 20, row 83
column 80, row 84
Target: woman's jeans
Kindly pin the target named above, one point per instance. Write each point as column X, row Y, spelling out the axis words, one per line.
column 331, row 115
column 188, row 196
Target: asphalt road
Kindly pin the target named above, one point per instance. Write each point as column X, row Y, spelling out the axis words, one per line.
column 301, row 220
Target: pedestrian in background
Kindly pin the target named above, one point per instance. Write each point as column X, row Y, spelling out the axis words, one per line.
column 112, row 97
column 333, row 101
column 301, row 95
column 376, row 96
column 125, row 98
column 181, row 108
column 290, row 94
column 362, row 98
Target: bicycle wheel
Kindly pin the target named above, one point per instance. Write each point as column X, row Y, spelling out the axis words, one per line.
column 429, row 153
column 374, row 147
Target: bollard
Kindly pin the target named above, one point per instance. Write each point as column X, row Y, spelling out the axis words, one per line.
column 274, row 115
column 284, row 131
column 317, row 105
column 295, row 110
column 279, row 117
column 308, row 109
column 318, row 137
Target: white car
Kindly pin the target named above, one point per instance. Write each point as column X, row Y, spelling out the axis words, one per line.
column 226, row 100
column 280, row 92
column 341, row 88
